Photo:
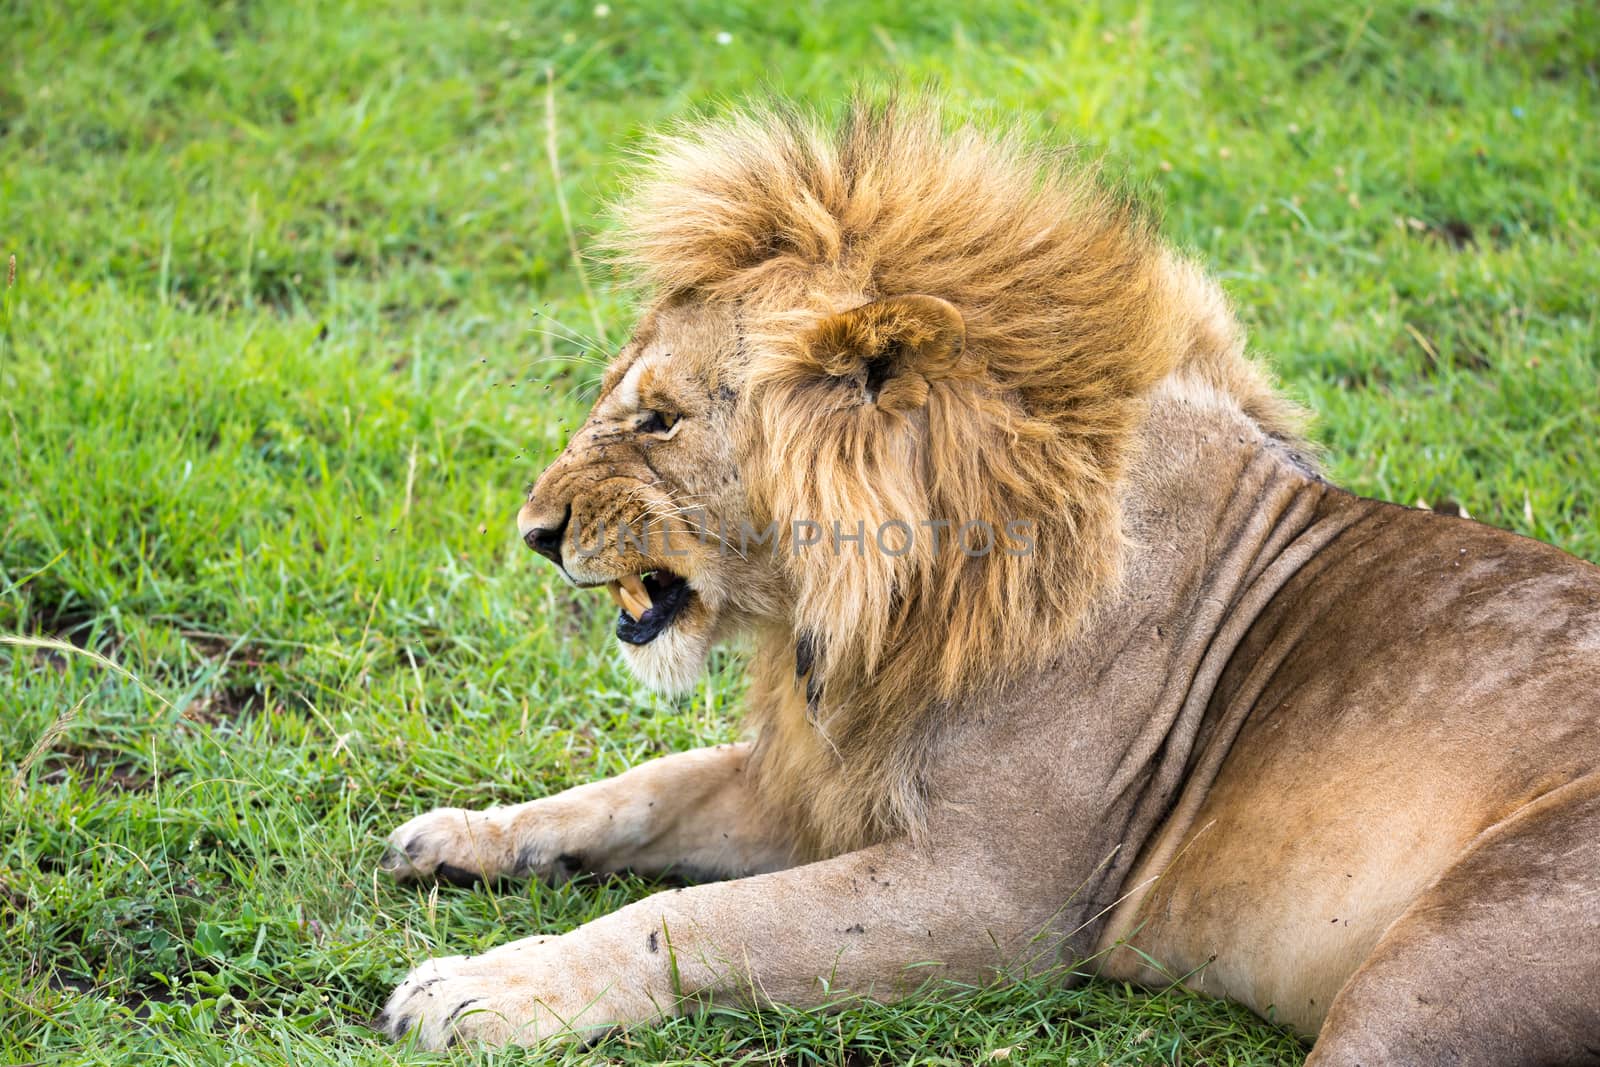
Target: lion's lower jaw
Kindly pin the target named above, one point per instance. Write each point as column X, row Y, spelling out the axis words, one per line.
column 672, row 663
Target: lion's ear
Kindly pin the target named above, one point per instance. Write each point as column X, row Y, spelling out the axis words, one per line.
column 894, row 347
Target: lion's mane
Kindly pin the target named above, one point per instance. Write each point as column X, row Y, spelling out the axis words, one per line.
column 1074, row 310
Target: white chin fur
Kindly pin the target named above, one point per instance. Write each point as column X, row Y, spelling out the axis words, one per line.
column 672, row 663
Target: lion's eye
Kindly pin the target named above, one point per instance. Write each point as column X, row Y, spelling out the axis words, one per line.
column 658, row 421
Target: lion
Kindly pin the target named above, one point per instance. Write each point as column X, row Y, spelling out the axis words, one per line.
column 1065, row 657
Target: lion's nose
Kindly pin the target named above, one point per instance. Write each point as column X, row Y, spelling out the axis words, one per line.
column 540, row 535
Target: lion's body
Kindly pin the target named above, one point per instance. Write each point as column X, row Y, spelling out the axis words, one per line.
column 1416, row 682
column 1221, row 723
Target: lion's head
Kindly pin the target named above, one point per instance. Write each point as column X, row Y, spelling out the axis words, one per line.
column 636, row 501
column 875, row 413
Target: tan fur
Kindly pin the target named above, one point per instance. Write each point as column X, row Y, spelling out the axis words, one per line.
column 1226, row 724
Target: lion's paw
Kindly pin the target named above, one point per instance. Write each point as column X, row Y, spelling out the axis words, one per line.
column 541, row 839
column 447, row 1000
column 451, row 844
column 515, row 994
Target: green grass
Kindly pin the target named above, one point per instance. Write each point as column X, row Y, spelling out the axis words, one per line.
column 272, row 382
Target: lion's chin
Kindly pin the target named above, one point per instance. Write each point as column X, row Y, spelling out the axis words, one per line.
column 674, row 660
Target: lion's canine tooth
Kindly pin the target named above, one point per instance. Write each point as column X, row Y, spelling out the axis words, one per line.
column 635, row 597
column 625, row 600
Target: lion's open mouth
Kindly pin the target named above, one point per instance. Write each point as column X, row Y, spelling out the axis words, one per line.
column 649, row 602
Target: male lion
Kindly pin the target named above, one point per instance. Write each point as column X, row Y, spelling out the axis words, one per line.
column 1193, row 712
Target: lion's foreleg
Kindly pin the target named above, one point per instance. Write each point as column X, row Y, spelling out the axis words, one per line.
column 692, row 813
column 879, row 922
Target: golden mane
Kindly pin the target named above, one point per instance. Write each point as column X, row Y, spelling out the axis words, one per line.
column 1073, row 310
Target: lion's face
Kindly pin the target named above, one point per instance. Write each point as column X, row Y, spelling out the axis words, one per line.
column 647, row 500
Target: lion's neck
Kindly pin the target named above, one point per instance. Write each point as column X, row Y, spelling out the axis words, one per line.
column 1210, row 501
column 1218, row 517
